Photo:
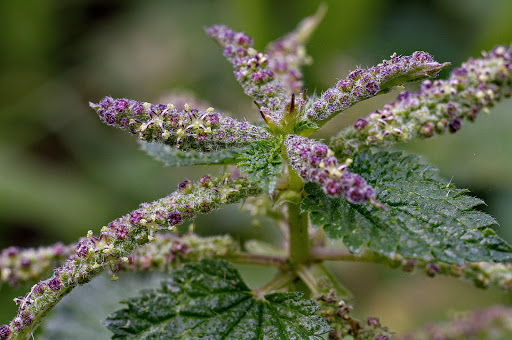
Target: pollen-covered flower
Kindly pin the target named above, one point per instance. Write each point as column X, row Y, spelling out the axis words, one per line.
column 186, row 129
column 314, row 162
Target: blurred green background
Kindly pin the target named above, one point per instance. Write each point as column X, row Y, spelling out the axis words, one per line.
column 62, row 172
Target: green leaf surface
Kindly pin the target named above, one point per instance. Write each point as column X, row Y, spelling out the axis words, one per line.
column 426, row 218
column 263, row 163
column 209, row 300
column 175, row 157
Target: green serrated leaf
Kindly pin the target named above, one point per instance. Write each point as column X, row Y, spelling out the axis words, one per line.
column 209, row 300
column 425, row 217
column 263, row 163
column 175, row 157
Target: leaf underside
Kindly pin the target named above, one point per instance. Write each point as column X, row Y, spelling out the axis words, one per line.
column 263, row 163
column 425, row 217
column 209, row 300
column 175, row 157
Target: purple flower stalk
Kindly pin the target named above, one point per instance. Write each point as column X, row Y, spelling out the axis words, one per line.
column 362, row 84
column 186, row 129
column 314, row 162
column 120, row 238
column 440, row 105
column 252, row 72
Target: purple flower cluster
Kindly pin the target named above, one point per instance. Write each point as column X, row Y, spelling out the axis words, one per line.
column 174, row 217
column 55, row 283
column 20, row 321
column 361, row 84
column 439, row 106
column 17, row 267
column 252, row 71
column 187, row 129
column 314, row 162
column 5, row 331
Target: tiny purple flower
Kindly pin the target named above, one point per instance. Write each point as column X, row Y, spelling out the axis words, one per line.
column 187, row 211
column 185, row 185
column 212, row 119
column 205, row 181
column 205, row 206
column 432, row 269
column 106, row 102
column 27, row 318
column 455, row 125
column 372, row 87
column 25, row 263
column 121, row 231
column 55, row 283
column 59, row 249
column 174, row 217
column 137, row 108
column 135, row 217
column 82, row 249
column 360, row 124
column 120, row 105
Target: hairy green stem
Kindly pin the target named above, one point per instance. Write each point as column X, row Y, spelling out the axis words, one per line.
column 299, row 238
column 261, row 259
column 306, row 276
column 298, row 223
column 280, row 280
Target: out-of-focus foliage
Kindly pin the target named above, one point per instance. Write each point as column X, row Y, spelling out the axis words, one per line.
column 62, row 172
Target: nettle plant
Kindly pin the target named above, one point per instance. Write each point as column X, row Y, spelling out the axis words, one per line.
column 386, row 207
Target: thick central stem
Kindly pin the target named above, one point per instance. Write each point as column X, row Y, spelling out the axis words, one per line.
column 299, row 237
column 297, row 223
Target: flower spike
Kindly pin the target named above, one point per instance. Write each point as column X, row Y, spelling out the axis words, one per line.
column 362, row 84
column 439, row 106
column 121, row 237
column 314, row 162
column 252, row 72
column 187, row 129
